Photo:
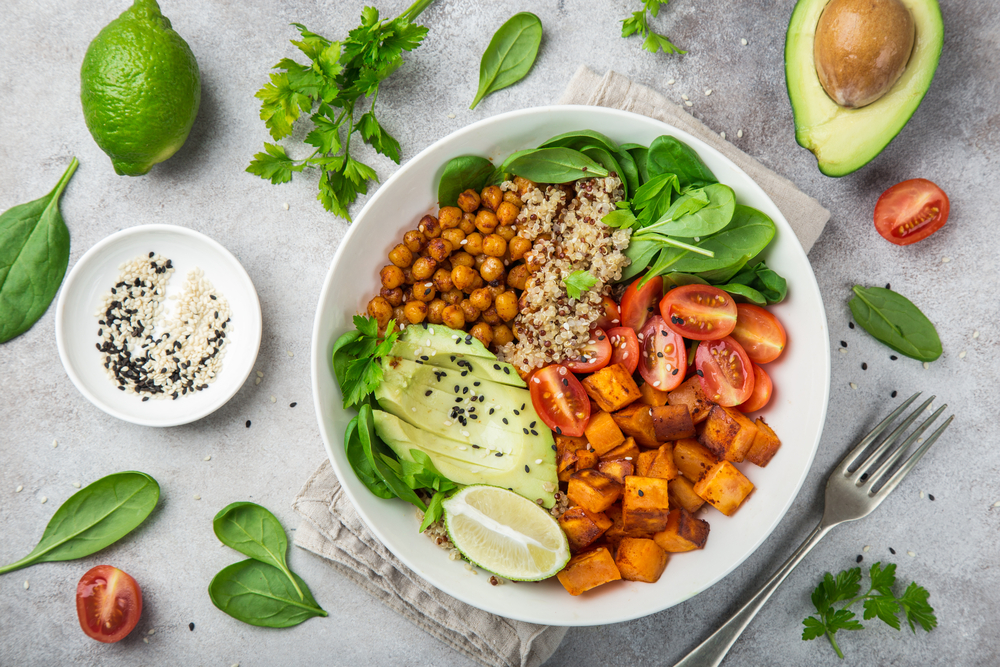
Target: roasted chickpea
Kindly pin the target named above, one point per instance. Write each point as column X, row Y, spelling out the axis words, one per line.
column 445, row 264
column 452, row 316
column 453, row 296
column 391, row 275
column 492, row 269
column 408, row 278
column 408, row 293
column 471, row 312
column 477, row 283
column 394, row 296
column 439, row 249
column 474, row 244
column 414, row 240
column 462, row 276
column 468, row 201
column 468, row 224
column 442, row 280
column 534, row 260
column 462, row 258
column 506, row 305
column 496, row 289
column 483, row 332
column 502, row 335
column 424, row 292
column 453, row 236
column 518, row 277
column 401, row 256
column 507, row 213
column 430, row 226
column 490, row 316
column 511, row 197
column 518, row 246
column 415, row 311
column 434, row 311
column 486, row 221
column 380, row 309
column 523, row 185
column 449, row 217
column 494, row 245
column 479, row 261
column 506, row 231
column 491, row 197
column 482, row 298
column 399, row 313
column 424, row 268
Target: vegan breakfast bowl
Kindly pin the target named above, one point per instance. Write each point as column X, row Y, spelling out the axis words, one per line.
column 608, row 331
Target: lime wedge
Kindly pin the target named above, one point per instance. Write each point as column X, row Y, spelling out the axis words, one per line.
column 505, row 533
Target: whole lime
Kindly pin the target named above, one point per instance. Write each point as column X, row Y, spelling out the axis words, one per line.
column 140, row 89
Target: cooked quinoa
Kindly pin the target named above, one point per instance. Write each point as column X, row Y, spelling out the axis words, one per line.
column 564, row 225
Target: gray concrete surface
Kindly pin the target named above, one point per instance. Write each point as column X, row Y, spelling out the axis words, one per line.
column 953, row 139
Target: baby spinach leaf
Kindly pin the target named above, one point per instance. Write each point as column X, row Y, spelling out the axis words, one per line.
column 641, row 156
column 699, row 212
column 434, row 510
column 744, row 293
column 640, row 253
column 359, row 463
column 766, row 281
column 510, row 55
column 677, row 279
column 604, row 158
column 373, row 445
column 420, row 473
column 620, row 218
column 261, row 594
column 34, row 254
column 743, row 238
column 668, row 155
column 579, row 138
column 653, row 198
column 255, row 532
column 629, row 173
column 554, row 165
column 462, row 173
column 893, row 319
column 94, row 517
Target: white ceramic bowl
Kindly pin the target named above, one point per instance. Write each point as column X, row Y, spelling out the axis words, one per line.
column 797, row 410
column 95, row 274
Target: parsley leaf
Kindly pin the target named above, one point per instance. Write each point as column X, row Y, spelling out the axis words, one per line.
column 338, row 76
column 357, row 359
column 638, row 24
column 578, row 282
column 878, row 601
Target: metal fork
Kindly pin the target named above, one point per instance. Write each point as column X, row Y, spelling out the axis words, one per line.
column 850, row 495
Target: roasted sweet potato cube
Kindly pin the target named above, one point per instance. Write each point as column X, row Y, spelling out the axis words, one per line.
column 587, row 570
column 724, row 487
column 567, row 443
column 663, row 465
column 645, row 460
column 592, row 490
column 612, row 387
column 682, row 495
column 692, row 460
column 617, row 530
column 564, row 475
column 683, row 532
column 567, row 460
column 651, row 395
column 689, row 393
column 728, row 433
column 616, row 469
column 603, row 433
column 636, row 421
column 672, row 422
column 765, row 445
column 628, row 450
column 645, row 504
column 582, row 528
column 586, row 459
column 640, row 559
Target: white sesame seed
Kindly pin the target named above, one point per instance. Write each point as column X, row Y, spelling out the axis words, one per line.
column 536, row 380
column 739, row 134
column 451, row 115
column 285, row 206
column 274, row 400
column 290, row 353
column 996, row 504
column 921, row 493
column 867, row 547
column 628, row 458
column 152, row 631
column 465, row 433
column 911, row 554
column 55, row 443
column 76, row 485
column 447, row 423
column 722, row 134
column 145, row 640
column 19, row 489
column 45, row 499
column 413, row 409
column 708, row 92
column 462, row 448
column 961, row 355
column 26, row 584
column 207, row 458
column 975, row 334
column 946, row 259
column 260, row 374
column 685, row 98
column 197, row 497
column 843, row 350
column 256, row 381
column 657, row 384
column 690, row 104
column 926, row 365
column 854, row 386
column 462, row 242
column 670, row 82
column 625, row 356
column 538, row 462
column 743, row 41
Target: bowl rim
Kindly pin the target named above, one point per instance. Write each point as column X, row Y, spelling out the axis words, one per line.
column 82, row 264
column 317, row 347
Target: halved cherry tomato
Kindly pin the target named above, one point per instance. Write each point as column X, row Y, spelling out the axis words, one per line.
column 663, row 361
column 761, row 391
column 594, row 356
column 911, row 211
column 725, row 370
column 759, row 332
column 109, row 603
column 699, row 312
column 625, row 348
column 560, row 400
column 639, row 304
column 612, row 316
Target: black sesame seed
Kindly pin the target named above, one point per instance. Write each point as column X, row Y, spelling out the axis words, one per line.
column 864, row 366
column 473, row 416
column 674, row 372
column 458, row 399
column 892, row 551
column 931, row 496
column 532, row 424
column 191, row 627
column 859, row 558
column 700, row 373
column 498, row 454
column 659, row 354
column 505, row 421
column 145, row 398
column 292, row 405
column 212, row 297
column 495, row 366
column 506, row 370
column 525, row 431
column 641, row 493
column 491, row 410
column 425, row 357
column 893, row 357
column 887, row 286
column 893, row 394
column 475, row 446
column 559, row 431
column 554, row 448
column 526, row 468
column 248, row 423
column 457, row 388
column 534, row 432
column 516, row 412
column 465, row 390
column 850, row 324
column 151, row 255
column 426, row 393
column 843, row 343
column 476, row 384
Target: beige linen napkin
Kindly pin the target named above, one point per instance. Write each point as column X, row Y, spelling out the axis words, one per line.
column 332, row 528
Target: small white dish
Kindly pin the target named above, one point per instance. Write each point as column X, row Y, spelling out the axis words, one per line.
column 97, row 271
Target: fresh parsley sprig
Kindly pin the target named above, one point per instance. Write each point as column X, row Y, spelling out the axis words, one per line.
column 357, row 356
column 639, row 24
column 578, row 282
column 879, row 601
column 328, row 88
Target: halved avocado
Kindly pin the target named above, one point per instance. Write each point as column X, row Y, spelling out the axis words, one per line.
column 843, row 139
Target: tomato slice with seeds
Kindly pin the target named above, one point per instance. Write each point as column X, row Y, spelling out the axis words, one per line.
column 725, row 370
column 109, row 603
column 639, row 304
column 663, row 360
column 612, row 315
column 911, row 211
column 699, row 312
column 761, row 391
column 759, row 333
column 594, row 356
column 560, row 400
column 624, row 347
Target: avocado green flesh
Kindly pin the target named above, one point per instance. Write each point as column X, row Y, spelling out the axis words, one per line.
column 844, row 140
column 490, row 369
column 444, row 340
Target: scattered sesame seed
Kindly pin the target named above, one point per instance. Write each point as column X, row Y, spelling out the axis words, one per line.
column 76, row 485
column 256, row 381
column 207, row 458
column 911, row 554
column 451, row 115
column 274, row 400
column 859, row 558
column 930, row 496
column 152, row 631
column 290, row 353
column 743, row 41
column 26, row 584
column 708, row 92
column 842, row 350
column 285, row 206
column 961, row 355
column 996, row 504
column 975, row 334
column 191, row 627
column 44, row 499
column 690, row 104
column 641, row 493
column 921, row 493
column 864, row 366
column 197, row 497
column 926, row 365
column 843, row 343
column 867, row 547
column 685, row 98
column 945, row 260
column 55, row 443
column 248, row 423
column 892, row 551
column 850, row 325
column 893, row 357
column 670, row 82
column 19, row 488
column 893, row 394
column 739, row 134
column 722, row 134
column 854, row 386
column 260, row 374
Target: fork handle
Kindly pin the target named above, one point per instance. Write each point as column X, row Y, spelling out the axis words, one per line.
column 711, row 652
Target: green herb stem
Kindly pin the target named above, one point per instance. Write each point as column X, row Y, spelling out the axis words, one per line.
column 840, row 654
column 666, row 240
column 415, row 9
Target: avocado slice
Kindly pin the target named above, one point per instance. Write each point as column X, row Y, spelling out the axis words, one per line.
column 444, row 339
column 489, row 369
column 844, row 140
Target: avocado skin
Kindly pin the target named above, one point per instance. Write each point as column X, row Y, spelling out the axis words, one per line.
column 844, row 140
